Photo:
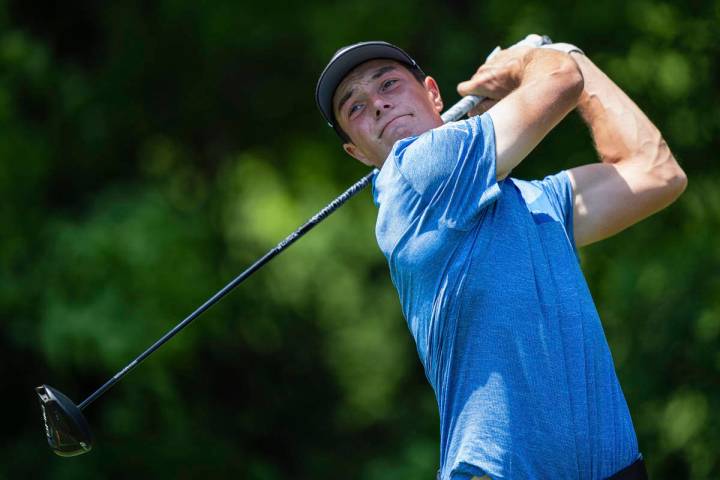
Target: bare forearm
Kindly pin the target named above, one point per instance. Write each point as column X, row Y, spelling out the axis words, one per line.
column 620, row 130
column 529, row 92
column 552, row 77
column 554, row 72
column 548, row 89
column 638, row 175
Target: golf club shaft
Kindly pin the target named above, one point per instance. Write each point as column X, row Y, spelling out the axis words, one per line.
column 286, row 242
column 454, row 113
column 465, row 104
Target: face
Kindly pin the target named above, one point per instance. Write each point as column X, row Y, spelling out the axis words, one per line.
column 380, row 102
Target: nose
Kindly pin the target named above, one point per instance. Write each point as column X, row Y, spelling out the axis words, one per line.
column 381, row 104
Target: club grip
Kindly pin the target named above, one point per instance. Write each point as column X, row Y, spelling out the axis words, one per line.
column 462, row 107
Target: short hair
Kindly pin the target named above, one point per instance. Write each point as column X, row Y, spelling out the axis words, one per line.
column 418, row 74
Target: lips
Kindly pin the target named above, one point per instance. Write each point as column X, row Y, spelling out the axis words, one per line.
column 391, row 121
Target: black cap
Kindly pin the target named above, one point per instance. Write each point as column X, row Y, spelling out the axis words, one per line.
column 343, row 62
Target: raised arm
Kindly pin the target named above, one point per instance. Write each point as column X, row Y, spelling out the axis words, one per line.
column 529, row 91
column 638, row 175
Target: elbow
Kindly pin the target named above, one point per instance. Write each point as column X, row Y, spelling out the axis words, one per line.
column 678, row 183
column 671, row 177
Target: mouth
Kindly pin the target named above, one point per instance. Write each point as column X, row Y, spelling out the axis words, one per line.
column 391, row 121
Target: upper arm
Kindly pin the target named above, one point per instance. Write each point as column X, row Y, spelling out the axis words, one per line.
column 523, row 118
column 609, row 197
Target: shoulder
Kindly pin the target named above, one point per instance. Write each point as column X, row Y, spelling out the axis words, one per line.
column 425, row 161
column 447, row 137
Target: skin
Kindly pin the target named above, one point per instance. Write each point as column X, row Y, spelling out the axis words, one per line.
column 385, row 103
column 377, row 105
column 529, row 91
column 638, row 174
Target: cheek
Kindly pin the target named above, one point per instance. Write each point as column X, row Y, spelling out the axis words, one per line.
column 353, row 129
column 364, row 128
column 358, row 135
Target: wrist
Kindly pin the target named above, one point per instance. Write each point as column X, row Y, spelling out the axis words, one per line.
column 568, row 48
column 590, row 76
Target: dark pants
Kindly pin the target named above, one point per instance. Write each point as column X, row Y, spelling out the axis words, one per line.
column 636, row 471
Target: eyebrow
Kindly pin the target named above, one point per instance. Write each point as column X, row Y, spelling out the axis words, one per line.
column 377, row 74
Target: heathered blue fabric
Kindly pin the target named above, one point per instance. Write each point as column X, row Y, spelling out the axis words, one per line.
column 491, row 288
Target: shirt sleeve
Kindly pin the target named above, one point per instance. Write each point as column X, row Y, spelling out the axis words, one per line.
column 559, row 193
column 453, row 169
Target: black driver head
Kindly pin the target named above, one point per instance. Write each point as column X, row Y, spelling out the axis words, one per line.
column 67, row 430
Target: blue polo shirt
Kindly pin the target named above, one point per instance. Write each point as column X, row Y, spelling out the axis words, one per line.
column 505, row 327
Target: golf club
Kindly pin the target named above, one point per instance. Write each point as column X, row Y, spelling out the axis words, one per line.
column 67, row 430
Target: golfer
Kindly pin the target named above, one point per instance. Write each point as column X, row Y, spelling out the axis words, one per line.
column 486, row 265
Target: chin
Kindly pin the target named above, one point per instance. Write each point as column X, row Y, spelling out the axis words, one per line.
column 406, row 132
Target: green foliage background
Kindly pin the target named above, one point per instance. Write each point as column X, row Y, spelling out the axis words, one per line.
column 149, row 151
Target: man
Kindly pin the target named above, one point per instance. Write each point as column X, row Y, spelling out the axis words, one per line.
column 486, row 265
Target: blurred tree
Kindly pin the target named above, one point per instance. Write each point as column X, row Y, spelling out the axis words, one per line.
column 150, row 151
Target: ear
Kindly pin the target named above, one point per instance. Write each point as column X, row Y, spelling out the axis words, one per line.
column 433, row 93
column 355, row 152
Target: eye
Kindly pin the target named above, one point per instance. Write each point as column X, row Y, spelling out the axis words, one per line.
column 388, row 83
column 354, row 108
